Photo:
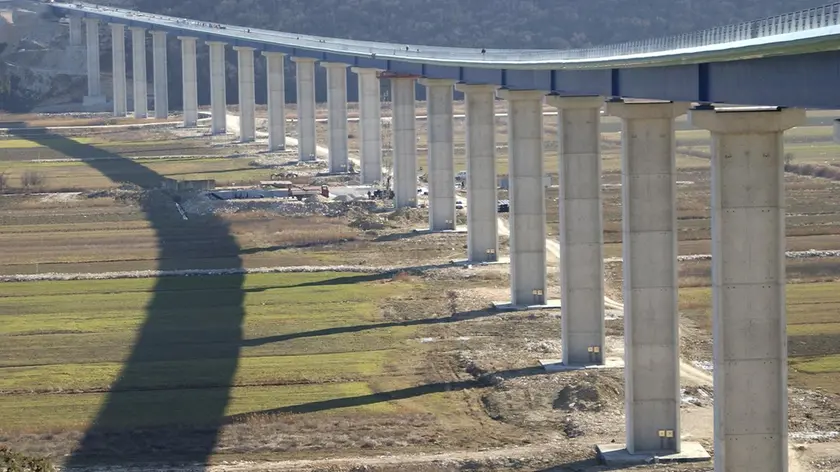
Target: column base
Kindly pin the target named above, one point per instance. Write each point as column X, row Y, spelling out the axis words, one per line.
column 556, row 365
column 617, row 455
column 455, row 230
column 509, row 306
column 501, row 260
column 94, row 100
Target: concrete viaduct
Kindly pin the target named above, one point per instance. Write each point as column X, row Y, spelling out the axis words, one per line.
column 778, row 66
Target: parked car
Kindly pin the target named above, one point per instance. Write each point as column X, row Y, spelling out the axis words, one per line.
column 504, row 206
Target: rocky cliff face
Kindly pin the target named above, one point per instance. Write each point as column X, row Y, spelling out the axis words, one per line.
column 37, row 65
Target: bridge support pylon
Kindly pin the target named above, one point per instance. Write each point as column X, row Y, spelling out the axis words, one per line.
column 138, row 72
column 276, row 100
column 748, row 285
column 161, row 75
column 527, row 197
column 305, row 82
column 440, row 166
column 404, row 134
column 651, row 315
column 118, row 69
column 337, row 116
column 189, row 78
column 246, row 90
column 94, row 96
column 482, row 195
column 218, row 88
column 370, row 124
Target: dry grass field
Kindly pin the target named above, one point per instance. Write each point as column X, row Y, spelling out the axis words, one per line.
column 410, row 365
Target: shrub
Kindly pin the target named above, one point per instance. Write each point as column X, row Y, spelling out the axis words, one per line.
column 31, row 179
column 11, row 461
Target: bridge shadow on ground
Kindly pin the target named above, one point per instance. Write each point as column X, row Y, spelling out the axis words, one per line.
column 480, row 380
column 463, row 316
column 190, row 339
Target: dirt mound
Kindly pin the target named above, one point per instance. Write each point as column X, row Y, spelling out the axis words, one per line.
column 367, row 222
column 592, row 393
column 408, row 215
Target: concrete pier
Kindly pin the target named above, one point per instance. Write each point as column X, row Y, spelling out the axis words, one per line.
column 189, row 78
column 370, row 125
column 527, row 197
column 276, row 82
column 305, row 81
column 337, row 115
column 118, row 69
column 138, row 70
column 581, row 229
column 649, row 235
column 404, row 134
column 748, row 285
column 94, row 96
column 440, row 165
column 218, row 88
column 75, row 30
column 482, row 195
column 161, row 76
column 247, row 112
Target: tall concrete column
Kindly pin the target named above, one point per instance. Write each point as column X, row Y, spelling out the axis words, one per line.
column 94, row 96
column 581, row 233
column 118, row 69
column 190, row 84
column 649, row 235
column 404, row 126
column 748, row 286
column 305, row 82
column 370, row 125
column 441, row 168
column 75, row 30
column 247, row 104
column 138, row 70
column 276, row 100
column 218, row 88
column 482, row 189
column 337, row 115
column 527, row 197
column 161, row 83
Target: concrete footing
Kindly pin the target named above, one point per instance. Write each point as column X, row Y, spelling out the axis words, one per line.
column 500, row 260
column 556, row 365
column 457, row 230
column 94, row 101
column 616, row 455
column 509, row 306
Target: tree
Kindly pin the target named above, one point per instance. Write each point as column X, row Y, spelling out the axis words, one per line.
column 31, row 179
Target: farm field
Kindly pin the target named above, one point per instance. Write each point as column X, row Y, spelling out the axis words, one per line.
column 334, row 364
column 234, row 353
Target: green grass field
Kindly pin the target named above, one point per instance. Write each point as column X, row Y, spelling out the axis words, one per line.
column 269, row 341
column 813, row 328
